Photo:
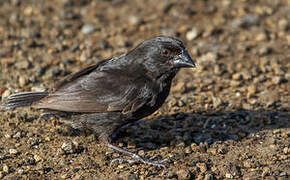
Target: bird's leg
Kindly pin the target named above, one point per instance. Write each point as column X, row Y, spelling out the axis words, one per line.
column 135, row 157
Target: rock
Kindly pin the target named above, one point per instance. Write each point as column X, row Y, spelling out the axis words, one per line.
column 6, row 93
column 70, row 147
column 88, row 28
column 168, row 31
column 13, row 151
column 264, row 50
column 237, row 76
column 192, row 34
column 246, row 21
column 209, row 177
column 262, row 36
column 216, row 102
column 134, row 20
column 171, row 174
column 278, row 80
column 22, row 64
column 228, row 175
column 184, row 174
column 202, row 167
column 283, row 24
column 22, row 81
column 5, row 168
column 208, row 58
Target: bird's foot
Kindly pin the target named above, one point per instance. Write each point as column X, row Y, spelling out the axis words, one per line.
column 137, row 158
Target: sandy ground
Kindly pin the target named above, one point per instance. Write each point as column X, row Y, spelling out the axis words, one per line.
column 226, row 119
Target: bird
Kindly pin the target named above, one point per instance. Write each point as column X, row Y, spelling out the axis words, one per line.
column 114, row 92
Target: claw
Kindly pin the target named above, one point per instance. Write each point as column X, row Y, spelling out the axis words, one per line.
column 137, row 158
column 131, row 161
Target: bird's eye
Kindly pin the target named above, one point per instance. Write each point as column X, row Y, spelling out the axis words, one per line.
column 165, row 52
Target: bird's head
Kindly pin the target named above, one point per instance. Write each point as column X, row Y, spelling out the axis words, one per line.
column 162, row 54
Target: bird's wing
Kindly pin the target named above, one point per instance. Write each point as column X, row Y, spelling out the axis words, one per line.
column 91, row 90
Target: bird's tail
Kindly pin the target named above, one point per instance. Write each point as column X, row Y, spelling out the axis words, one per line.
column 22, row 99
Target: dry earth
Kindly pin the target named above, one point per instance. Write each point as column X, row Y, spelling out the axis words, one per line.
column 226, row 119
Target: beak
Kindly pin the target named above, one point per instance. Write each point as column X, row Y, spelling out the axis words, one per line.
column 183, row 60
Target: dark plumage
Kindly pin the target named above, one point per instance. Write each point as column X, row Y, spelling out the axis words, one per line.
column 114, row 92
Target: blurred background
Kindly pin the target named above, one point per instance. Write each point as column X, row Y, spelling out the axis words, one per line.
column 228, row 118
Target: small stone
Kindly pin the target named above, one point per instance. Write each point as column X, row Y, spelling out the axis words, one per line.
column 248, row 164
column 6, row 93
column 184, row 174
column 171, row 174
column 283, row 24
column 265, row 50
column 209, row 177
column 212, row 151
column 88, row 28
column 20, row 171
column 141, row 152
column 286, row 150
column 37, row 158
column 134, row 20
column 192, row 34
column 237, row 76
column 252, row 89
column 261, row 36
column 68, row 147
column 246, row 21
column 266, row 171
column 5, row 168
column 22, row 81
column 217, row 102
column 22, row 64
column 202, row 167
column 188, row 150
column 235, row 83
column 13, row 151
column 208, row 58
column 277, row 79
column 230, row 176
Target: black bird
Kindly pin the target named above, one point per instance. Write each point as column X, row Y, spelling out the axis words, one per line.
column 114, row 92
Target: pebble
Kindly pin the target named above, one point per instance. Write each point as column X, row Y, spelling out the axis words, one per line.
column 277, row 79
column 22, row 81
column 37, row 158
column 261, row 36
column 192, row 34
column 6, row 93
column 184, row 174
column 208, row 58
column 202, row 167
column 283, row 24
column 246, row 21
column 209, row 176
column 22, row 64
column 134, row 20
column 265, row 50
column 68, row 147
column 13, row 151
column 88, row 28
column 237, row 76
column 5, row 168
column 230, row 176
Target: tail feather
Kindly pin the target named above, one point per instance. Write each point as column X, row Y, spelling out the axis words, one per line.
column 22, row 99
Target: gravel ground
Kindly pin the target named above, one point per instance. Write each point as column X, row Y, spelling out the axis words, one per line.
column 226, row 119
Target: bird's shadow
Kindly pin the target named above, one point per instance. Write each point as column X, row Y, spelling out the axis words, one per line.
column 203, row 128
column 200, row 127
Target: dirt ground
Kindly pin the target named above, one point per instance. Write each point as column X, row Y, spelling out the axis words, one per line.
column 226, row 119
